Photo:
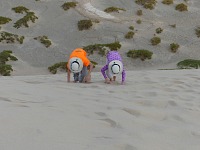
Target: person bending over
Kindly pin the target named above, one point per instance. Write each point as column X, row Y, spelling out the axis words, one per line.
column 78, row 64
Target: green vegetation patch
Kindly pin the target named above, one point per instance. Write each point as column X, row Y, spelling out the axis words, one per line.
column 155, row 40
column 69, row 5
column 44, row 40
column 4, row 20
column 113, row 9
column 174, row 47
column 131, row 27
column 11, row 38
column 61, row 66
column 101, row 48
column 30, row 16
column 129, row 35
column 188, row 64
column 5, row 56
column 142, row 54
column 168, row 2
column 181, row 7
column 139, row 12
column 84, row 24
column 197, row 31
column 20, row 9
column 148, row 4
column 139, row 21
column 159, row 30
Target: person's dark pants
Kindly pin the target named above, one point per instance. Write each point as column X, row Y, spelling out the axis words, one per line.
column 81, row 75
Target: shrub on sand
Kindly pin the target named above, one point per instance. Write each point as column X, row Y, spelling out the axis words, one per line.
column 168, row 2
column 11, row 38
column 113, row 9
column 159, row 30
column 155, row 40
column 189, row 64
column 69, row 5
column 174, row 47
column 4, row 20
column 197, row 31
column 129, row 35
column 54, row 68
column 84, row 24
column 142, row 54
column 181, row 7
column 44, row 40
column 5, row 56
column 20, row 9
column 101, row 48
column 148, row 4
column 139, row 12
column 30, row 16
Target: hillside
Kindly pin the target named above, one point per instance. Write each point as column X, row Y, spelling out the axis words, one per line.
column 60, row 26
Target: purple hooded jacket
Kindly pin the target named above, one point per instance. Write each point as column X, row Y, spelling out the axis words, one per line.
column 113, row 55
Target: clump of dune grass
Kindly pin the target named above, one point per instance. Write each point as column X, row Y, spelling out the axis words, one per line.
column 181, row 7
column 5, row 56
column 4, row 20
column 148, row 4
column 58, row 66
column 129, row 35
column 113, row 9
column 142, row 54
column 84, row 24
column 139, row 12
column 168, row 2
column 69, row 5
column 101, row 48
column 44, row 40
column 20, row 9
column 155, row 40
column 189, row 64
column 159, row 30
column 11, row 38
column 139, row 21
column 174, row 47
column 131, row 27
column 197, row 31
column 30, row 16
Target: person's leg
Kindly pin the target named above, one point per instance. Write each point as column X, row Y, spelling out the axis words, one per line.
column 76, row 75
column 83, row 74
column 114, row 78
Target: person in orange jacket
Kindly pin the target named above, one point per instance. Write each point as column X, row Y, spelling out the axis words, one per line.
column 78, row 64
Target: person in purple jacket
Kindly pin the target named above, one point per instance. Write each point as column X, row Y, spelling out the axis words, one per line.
column 113, row 67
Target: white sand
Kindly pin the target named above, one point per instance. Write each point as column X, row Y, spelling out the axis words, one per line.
column 155, row 110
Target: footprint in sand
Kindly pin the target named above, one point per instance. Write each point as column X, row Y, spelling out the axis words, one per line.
column 172, row 103
column 101, row 114
column 132, row 112
column 110, row 122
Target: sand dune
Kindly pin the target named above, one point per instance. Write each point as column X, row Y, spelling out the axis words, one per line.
column 154, row 110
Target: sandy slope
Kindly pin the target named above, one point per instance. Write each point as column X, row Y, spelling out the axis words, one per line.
column 61, row 28
column 154, row 110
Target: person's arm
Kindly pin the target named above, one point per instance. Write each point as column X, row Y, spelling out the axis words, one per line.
column 68, row 73
column 123, row 76
column 88, row 76
column 103, row 71
column 90, row 69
